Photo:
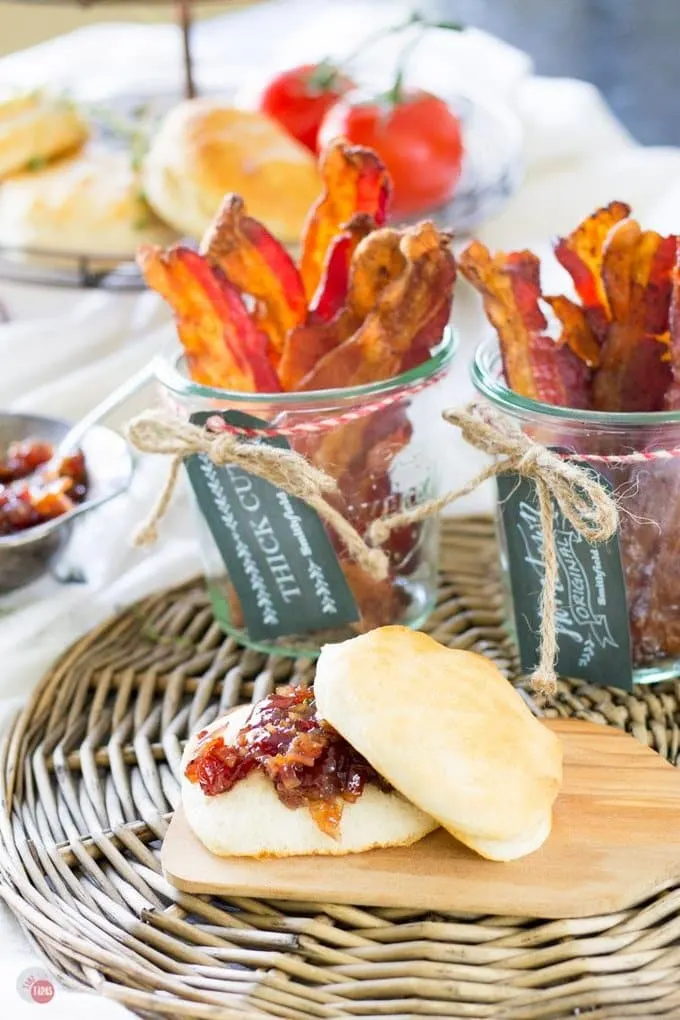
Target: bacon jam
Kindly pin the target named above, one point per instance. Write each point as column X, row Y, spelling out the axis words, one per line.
column 308, row 761
column 33, row 489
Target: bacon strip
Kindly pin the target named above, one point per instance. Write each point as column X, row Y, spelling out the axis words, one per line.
column 405, row 307
column 379, row 260
column 376, row 262
column 535, row 366
column 581, row 255
column 331, row 294
column 355, row 181
column 224, row 348
column 576, row 331
column 634, row 373
column 257, row 264
column 673, row 393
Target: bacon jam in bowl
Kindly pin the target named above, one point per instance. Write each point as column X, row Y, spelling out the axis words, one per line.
column 36, row 485
column 41, row 493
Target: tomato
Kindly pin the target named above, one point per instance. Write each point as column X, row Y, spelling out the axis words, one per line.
column 417, row 136
column 299, row 99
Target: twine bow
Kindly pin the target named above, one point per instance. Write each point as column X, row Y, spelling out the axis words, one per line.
column 588, row 507
column 159, row 432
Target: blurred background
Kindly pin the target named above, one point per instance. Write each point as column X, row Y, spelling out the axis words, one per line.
column 628, row 48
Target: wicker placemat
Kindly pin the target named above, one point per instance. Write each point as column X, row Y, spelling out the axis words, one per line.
column 90, row 772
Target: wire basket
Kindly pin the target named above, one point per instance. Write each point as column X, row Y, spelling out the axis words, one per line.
column 65, row 269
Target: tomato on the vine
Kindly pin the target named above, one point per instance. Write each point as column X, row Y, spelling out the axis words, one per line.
column 415, row 133
column 300, row 97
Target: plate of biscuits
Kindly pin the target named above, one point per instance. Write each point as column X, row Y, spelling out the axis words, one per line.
column 72, row 209
column 82, row 187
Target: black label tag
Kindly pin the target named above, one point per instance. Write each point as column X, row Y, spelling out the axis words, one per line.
column 592, row 613
column 275, row 548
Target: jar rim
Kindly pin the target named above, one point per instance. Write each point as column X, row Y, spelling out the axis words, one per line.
column 167, row 372
column 487, row 381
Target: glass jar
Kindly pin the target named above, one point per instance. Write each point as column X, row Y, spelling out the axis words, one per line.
column 374, row 440
column 647, row 490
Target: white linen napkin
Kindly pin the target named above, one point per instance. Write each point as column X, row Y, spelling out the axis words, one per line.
column 64, row 353
column 49, row 336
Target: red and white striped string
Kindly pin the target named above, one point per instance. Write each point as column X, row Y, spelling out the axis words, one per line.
column 638, row 457
column 324, row 424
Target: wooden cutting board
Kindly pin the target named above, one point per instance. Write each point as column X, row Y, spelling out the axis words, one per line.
column 615, row 841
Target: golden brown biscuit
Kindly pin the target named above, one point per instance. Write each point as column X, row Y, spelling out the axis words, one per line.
column 205, row 149
column 35, row 128
column 449, row 732
column 90, row 203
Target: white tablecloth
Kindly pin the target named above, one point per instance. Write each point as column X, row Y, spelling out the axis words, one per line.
column 63, row 351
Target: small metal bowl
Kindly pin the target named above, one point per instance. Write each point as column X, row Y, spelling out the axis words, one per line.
column 27, row 555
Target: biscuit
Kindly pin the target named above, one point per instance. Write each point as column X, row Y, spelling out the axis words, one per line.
column 90, row 203
column 35, row 128
column 205, row 149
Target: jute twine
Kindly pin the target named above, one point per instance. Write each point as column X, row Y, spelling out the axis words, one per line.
column 588, row 507
column 163, row 433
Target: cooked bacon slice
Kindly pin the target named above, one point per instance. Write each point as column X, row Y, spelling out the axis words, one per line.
column 355, row 181
column 379, row 260
column 634, row 373
column 376, row 262
column 331, row 294
column 673, row 393
column 576, row 331
column 404, row 309
column 535, row 365
column 581, row 255
column 257, row 264
column 224, row 347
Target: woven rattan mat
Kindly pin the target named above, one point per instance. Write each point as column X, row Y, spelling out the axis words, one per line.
column 90, row 772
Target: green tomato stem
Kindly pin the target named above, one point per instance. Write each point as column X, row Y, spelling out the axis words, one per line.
column 395, row 95
column 324, row 74
column 415, row 18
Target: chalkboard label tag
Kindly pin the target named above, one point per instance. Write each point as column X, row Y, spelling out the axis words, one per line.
column 593, row 632
column 277, row 552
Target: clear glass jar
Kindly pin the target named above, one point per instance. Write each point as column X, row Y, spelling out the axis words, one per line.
column 648, row 494
column 374, row 440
